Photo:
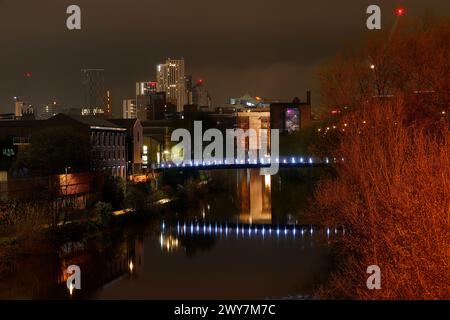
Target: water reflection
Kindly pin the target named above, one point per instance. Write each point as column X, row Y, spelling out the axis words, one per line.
column 246, row 196
column 168, row 243
column 254, row 192
column 237, row 244
column 232, row 261
column 216, row 229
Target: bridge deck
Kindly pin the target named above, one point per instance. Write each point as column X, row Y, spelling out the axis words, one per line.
column 286, row 162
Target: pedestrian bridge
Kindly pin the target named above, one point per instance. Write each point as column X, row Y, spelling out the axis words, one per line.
column 287, row 162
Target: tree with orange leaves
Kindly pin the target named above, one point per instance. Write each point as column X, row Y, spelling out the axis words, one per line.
column 392, row 191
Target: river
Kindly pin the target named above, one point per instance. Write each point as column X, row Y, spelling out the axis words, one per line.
column 251, row 237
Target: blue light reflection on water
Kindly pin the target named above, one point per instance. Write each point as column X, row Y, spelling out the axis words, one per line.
column 219, row 229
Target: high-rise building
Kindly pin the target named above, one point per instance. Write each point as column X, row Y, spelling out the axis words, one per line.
column 108, row 105
column 200, row 96
column 49, row 110
column 144, row 91
column 189, row 88
column 161, row 77
column 93, row 92
column 145, row 87
column 142, row 106
column 129, row 109
column 160, row 108
column 171, row 79
column 22, row 109
column 189, row 83
column 18, row 108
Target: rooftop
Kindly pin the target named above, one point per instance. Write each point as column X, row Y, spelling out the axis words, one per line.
column 91, row 121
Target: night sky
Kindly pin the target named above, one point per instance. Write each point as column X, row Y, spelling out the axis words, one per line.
column 264, row 48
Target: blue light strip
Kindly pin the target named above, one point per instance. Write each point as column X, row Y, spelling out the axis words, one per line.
column 291, row 160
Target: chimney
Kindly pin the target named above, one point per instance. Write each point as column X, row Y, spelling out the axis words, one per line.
column 308, row 97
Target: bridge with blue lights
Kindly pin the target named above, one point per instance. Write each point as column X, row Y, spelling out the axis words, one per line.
column 282, row 162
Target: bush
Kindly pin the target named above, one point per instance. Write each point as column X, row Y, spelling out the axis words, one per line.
column 103, row 211
column 392, row 193
column 114, row 191
column 137, row 197
column 27, row 219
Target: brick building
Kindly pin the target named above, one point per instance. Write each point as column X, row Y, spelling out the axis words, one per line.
column 107, row 141
column 134, row 143
column 290, row 117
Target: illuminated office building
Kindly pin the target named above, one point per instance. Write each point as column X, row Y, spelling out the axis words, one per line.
column 171, row 79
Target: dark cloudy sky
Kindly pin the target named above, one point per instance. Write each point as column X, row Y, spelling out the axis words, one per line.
column 261, row 47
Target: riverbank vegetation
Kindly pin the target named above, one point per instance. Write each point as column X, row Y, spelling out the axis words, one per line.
column 392, row 189
column 32, row 228
column 21, row 220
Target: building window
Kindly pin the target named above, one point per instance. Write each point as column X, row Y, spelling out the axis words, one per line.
column 292, row 123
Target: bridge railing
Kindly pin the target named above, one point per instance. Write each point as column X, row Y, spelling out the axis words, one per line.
column 261, row 162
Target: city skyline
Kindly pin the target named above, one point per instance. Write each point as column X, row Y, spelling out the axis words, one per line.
column 184, row 152
column 289, row 49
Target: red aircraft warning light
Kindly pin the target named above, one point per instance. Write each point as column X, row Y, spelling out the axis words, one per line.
column 335, row 112
column 400, row 11
column 28, row 74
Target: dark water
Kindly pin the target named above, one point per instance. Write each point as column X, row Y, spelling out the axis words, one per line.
column 248, row 238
